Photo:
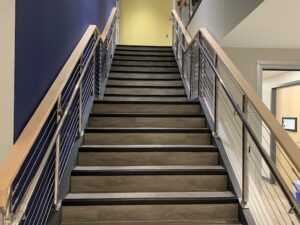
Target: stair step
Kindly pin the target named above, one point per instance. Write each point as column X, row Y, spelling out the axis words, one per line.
column 145, row 53
column 144, row 63
column 143, row 83
column 148, row 179
column 216, row 222
column 146, row 91
column 144, row 76
column 133, row 155
column 145, row 58
column 144, row 136
column 146, row 107
column 148, row 98
column 145, row 120
column 143, row 69
column 145, row 48
column 187, row 207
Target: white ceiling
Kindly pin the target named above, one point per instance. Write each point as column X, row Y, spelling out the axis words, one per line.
column 274, row 24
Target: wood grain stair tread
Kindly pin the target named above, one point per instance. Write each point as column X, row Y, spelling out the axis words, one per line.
column 150, row 198
column 148, row 170
column 146, row 130
column 148, row 148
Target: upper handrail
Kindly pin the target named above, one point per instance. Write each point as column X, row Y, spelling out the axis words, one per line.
column 108, row 24
column 286, row 142
column 20, row 150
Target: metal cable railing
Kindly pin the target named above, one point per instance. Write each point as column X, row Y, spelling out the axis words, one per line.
column 265, row 173
column 36, row 189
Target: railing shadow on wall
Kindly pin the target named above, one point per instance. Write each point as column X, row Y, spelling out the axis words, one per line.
column 32, row 172
column 245, row 126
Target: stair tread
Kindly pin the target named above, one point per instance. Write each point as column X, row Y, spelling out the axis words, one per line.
column 147, row 129
column 152, row 195
column 183, row 222
column 134, row 148
column 186, row 102
column 148, row 168
column 147, row 114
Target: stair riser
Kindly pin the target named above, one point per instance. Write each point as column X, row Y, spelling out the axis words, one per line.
column 147, row 122
column 145, row 48
column 147, row 138
column 145, row 83
column 116, row 98
column 138, row 63
column 145, row 58
column 148, row 183
column 135, row 213
column 146, row 108
column 145, row 69
column 147, row 158
column 145, row 91
column 144, row 76
column 144, row 53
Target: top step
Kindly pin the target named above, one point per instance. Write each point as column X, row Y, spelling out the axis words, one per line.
column 144, row 48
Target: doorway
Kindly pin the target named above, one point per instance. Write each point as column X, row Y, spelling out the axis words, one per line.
column 145, row 22
column 280, row 91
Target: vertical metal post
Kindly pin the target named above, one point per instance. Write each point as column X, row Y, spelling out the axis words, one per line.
column 215, row 132
column 191, row 72
column 245, row 182
column 80, row 130
column 182, row 63
column 200, row 66
column 6, row 213
column 56, row 202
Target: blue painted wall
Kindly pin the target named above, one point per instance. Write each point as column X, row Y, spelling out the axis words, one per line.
column 47, row 31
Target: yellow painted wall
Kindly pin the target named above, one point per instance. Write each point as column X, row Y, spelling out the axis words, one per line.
column 287, row 105
column 145, row 22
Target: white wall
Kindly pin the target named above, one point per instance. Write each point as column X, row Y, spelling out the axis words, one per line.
column 246, row 60
column 274, row 81
column 274, row 24
column 7, row 62
column 221, row 16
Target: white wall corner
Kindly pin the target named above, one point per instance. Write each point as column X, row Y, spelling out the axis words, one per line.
column 7, row 75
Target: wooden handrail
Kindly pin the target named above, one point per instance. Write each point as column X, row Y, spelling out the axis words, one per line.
column 20, row 150
column 185, row 32
column 108, row 24
column 23, row 145
column 286, row 142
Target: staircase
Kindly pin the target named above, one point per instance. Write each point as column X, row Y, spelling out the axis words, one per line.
column 147, row 156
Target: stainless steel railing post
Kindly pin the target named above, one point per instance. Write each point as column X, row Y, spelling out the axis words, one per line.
column 245, row 165
column 80, row 130
column 215, row 132
column 56, row 202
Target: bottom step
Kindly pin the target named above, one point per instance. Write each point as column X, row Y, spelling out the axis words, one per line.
column 158, row 223
column 151, row 208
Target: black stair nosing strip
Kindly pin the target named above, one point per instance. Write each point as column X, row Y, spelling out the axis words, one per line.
column 146, row 95
column 141, row 149
column 172, row 115
column 157, row 102
column 143, row 72
column 146, row 50
column 144, row 66
column 145, row 86
column 92, row 130
column 144, row 55
column 144, row 79
column 147, row 172
column 147, row 46
column 145, row 59
column 150, row 201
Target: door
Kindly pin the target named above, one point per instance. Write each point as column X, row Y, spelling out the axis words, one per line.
column 145, row 22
